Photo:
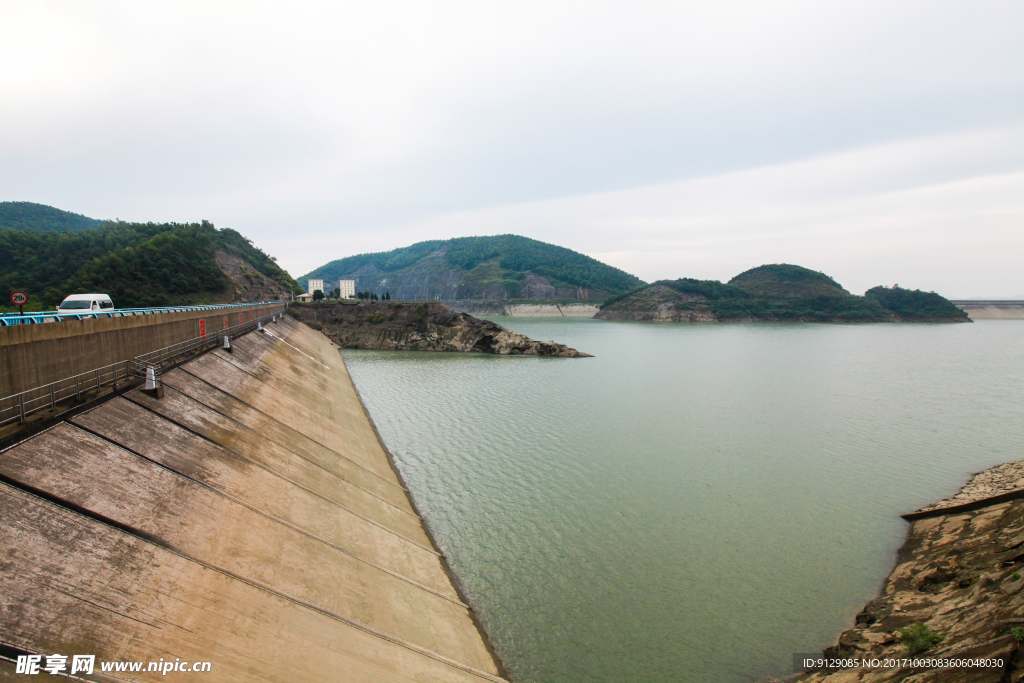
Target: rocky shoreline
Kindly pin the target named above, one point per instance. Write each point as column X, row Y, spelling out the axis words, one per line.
column 426, row 326
column 959, row 573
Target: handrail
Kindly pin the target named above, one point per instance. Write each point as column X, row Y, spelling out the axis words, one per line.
column 24, row 403
column 38, row 317
column 17, row 407
column 170, row 354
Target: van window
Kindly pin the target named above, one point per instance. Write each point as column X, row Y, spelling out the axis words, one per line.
column 107, row 304
column 75, row 305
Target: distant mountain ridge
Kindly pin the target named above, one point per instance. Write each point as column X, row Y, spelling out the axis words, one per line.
column 498, row 267
column 34, row 217
column 780, row 292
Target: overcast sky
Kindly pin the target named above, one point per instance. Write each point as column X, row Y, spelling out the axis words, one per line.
column 880, row 142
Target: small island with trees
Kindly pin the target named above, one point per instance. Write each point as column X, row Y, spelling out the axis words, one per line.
column 776, row 292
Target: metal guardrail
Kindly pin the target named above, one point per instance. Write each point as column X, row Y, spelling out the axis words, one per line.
column 19, row 406
column 37, row 317
column 169, row 355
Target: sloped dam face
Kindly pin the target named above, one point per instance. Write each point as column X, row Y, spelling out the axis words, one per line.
column 249, row 518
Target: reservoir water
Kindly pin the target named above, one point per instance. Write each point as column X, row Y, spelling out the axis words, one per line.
column 696, row 502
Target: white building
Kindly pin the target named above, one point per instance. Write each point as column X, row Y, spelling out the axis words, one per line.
column 315, row 285
column 348, row 288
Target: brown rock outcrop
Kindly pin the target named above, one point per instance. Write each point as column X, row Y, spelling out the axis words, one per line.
column 959, row 574
column 247, row 283
column 427, row 326
column 660, row 304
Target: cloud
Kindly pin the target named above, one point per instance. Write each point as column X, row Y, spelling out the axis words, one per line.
column 941, row 213
column 350, row 120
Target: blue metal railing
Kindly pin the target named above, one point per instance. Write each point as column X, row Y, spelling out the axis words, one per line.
column 37, row 317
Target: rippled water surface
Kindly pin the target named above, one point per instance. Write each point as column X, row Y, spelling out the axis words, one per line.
column 697, row 502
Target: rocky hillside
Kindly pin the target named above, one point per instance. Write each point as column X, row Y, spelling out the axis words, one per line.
column 659, row 302
column 500, row 267
column 780, row 292
column 431, row 326
column 247, row 282
column 140, row 264
column 957, row 592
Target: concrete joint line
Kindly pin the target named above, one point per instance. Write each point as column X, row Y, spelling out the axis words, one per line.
column 299, row 350
column 246, row 372
column 284, row 478
column 259, row 585
column 271, row 517
column 297, row 455
column 264, row 366
column 260, row 465
column 275, row 389
column 270, row 417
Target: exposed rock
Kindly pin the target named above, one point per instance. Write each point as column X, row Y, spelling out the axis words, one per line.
column 995, row 481
column 247, row 283
column 958, row 573
column 659, row 303
column 427, row 326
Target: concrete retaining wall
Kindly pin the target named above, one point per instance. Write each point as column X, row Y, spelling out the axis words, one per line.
column 34, row 355
column 993, row 310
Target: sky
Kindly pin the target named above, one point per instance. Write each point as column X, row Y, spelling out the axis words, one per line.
column 879, row 142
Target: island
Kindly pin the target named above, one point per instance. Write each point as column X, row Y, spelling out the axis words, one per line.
column 776, row 292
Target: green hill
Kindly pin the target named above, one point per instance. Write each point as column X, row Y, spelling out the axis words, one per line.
column 914, row 304
column 140, row 264
column 786, row 281
column 41, row 218
column 776, row 292
column 499, row 267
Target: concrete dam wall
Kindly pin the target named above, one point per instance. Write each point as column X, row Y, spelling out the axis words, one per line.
column 34, row 355
column 249, row 518
column 993, row 310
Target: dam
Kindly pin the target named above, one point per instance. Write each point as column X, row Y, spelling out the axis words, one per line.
column 246, row 515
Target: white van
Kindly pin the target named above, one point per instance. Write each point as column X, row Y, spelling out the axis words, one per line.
column 86, row 303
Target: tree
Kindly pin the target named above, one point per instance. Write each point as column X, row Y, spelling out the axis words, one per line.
column 317, row 295
column 387, row 296
column 336, row 294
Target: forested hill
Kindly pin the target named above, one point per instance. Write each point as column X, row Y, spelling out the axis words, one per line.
column 778, row 291
column 498, row 267
column 42, row 218
column 140, row 264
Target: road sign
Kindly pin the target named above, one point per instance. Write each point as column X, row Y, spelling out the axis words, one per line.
column 19, row 298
